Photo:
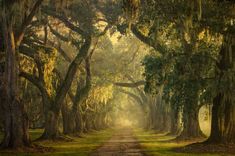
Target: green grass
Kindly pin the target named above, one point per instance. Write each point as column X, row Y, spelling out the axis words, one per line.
column 34, row 134
column 158, row 145
column 79, row 147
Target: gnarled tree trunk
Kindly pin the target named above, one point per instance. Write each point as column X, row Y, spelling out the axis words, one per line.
column 52, row 119
column 223, row 109
column 191, row 127
column 15, row 116
column 51, row 126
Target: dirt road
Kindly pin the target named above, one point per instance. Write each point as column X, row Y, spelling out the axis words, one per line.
column 122, row 143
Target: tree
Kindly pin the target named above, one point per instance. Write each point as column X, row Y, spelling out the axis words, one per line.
column 81, row 39
column 15, row 118
column 188, row 31
column 223, row 104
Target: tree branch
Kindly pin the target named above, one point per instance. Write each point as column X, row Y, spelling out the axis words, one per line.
column 63, row 19
column 60, row 50
column 66, row 84
column 33, row 79
column 147, row 40
column 130, row 85
column 19, row 36
column 135, row 97
column 63, row 38
column 141, row 92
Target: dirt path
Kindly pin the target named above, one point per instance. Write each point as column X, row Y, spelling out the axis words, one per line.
column 122, row 143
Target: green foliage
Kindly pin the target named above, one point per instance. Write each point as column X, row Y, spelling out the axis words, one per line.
column 153, row 73
column 189, row 31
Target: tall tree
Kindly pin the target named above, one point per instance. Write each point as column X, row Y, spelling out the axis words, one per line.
column 223, row 110
column 15, row 118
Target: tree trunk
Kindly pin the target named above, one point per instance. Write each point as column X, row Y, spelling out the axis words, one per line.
column 99, row 121
column 87, row 123
column 229, row 123
column 52, row 119
column 223, row 109
column 191, row 128
column 175, row 121
column 15, row 126
column 72, row 121
column 215, row 135
column 165, row 122
column 79, row 127
column 51, row 126
column 161, row 119
column 80, row 97
column 68, row 119
column 151, row 116
column 15, row 118
column 222, row 124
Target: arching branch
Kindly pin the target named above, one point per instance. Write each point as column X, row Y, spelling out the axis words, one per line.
column 63, row 38
column 141, row 92
column 66, row 84
column 33, row 79
column 131, row 85
column 147, row 40
column 135, row 97
column 65, row 20
column 20, row 34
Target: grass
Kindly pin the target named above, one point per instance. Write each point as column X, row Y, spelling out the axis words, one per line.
column 79, row 147
column 34, row 134
column 159, row 145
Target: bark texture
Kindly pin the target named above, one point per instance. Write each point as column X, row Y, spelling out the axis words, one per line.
column 15, row 116
column 51, row 125
column 223, row 109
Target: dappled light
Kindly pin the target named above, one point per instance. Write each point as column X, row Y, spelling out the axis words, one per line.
column 117, row 77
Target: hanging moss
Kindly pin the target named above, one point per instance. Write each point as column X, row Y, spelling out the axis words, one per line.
column 60, row 4
column 49, row 62
column 131, row 9
column 199, row 12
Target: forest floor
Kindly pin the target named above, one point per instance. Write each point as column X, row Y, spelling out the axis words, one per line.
column 80, row 146
column 118, row 142
column 163, row 145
